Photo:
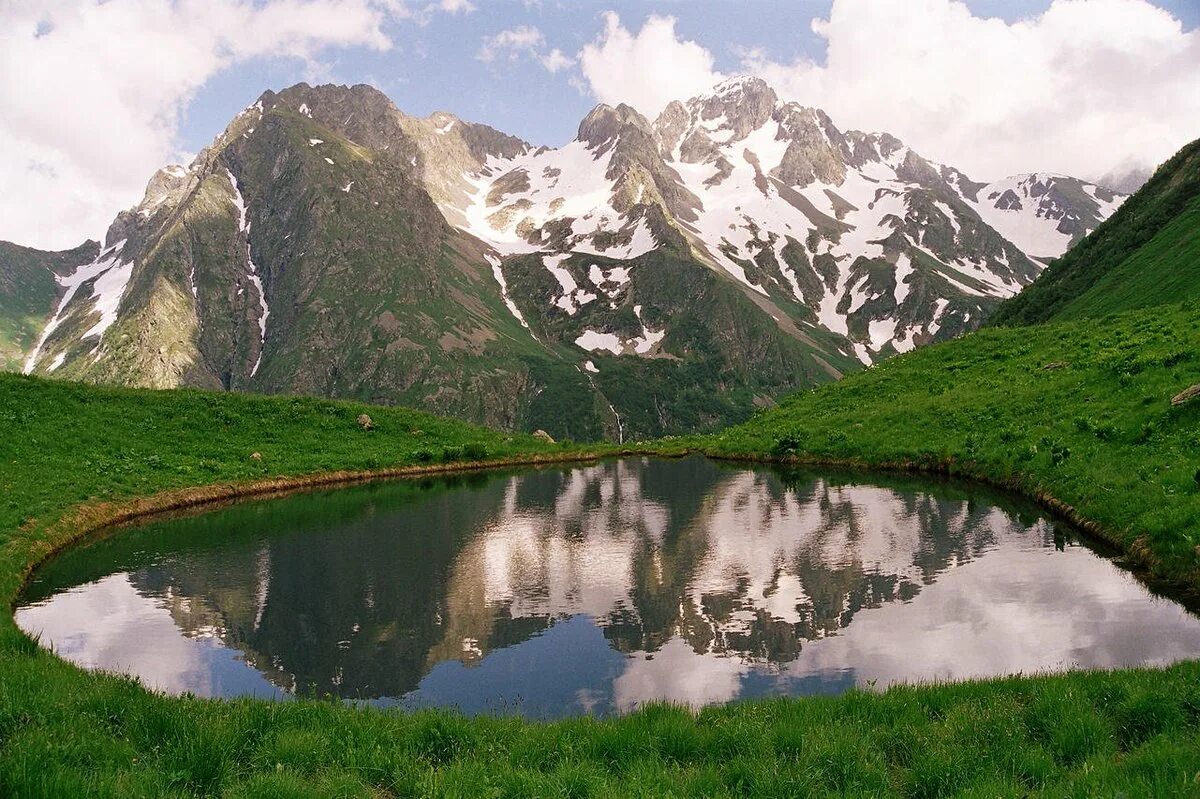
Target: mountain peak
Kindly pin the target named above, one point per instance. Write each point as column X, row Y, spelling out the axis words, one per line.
column 742, row 104
column 742, row 85
column 604, row 123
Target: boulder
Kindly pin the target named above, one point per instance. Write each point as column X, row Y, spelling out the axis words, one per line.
column 542, row 435
column 1186, row 395
column 365, row 422
column 256, row 456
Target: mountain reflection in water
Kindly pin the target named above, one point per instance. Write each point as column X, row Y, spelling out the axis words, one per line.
column 597, row 588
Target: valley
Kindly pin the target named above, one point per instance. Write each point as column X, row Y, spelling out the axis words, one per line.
column 726, row 452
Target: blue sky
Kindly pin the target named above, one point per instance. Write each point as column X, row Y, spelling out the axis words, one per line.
column 434, row 67
column 95, row 95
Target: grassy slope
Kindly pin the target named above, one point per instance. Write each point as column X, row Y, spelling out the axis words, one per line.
column 1121, row 265
column 1096, row 431
column 65, row 733
column 1166, row 268
column 27, row 295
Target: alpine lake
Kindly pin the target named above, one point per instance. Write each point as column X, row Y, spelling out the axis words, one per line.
column 597, row 588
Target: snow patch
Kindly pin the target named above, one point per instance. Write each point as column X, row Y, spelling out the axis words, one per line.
column 107, row 292
column 572, row 297
column 107, row 260
column 649, row 338
column 251, row 271
column 904, row 269
column 499, row 275
column 593, row 340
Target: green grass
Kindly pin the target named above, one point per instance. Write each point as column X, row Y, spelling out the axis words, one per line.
column 1080, row 411
column 1165, row 269
column 1097, row 432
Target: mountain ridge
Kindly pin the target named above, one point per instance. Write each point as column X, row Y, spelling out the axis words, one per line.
column 649, row 277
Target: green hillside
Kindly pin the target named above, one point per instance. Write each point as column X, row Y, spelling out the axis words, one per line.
column 27, row 294
column 1147, row 253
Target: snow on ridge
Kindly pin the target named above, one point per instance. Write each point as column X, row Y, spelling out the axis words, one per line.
column 748, row 215
column 566, row 183
column 252, row 271
column 108, row 259
column 499, row 275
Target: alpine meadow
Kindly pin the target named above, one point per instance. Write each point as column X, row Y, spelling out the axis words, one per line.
column 819, row 416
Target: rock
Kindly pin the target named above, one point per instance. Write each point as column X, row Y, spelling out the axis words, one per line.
column 256, row 456
column 1186, row 395
column 365, row 422
column 1056, row 365
column 542, row 435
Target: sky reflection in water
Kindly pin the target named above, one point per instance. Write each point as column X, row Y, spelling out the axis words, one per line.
column 594, row 589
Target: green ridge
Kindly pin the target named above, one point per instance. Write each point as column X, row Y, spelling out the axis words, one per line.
column 1147, row 253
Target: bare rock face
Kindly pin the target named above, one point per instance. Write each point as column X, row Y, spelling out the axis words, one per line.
column 670, row 127
column 742, row 105
column 814, row 151
column 916, row 169
column 604, row 125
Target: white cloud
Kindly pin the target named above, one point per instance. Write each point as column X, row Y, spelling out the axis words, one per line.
column 523, row 40
column 646, row 70
column 455, row 6
column 1087, row 86
column 91, row 92
column 1082, row 88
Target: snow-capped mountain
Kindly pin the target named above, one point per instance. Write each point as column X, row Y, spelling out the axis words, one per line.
column 853, row 234
column 647, row 277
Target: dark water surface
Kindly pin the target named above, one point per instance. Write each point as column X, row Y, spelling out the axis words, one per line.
column 596, row 588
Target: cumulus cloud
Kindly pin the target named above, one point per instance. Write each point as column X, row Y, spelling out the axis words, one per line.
column 523, row 41
column 92, row 92
column 648, row 69
column 1082, row 88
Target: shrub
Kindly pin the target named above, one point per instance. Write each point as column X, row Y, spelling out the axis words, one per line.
column 475, row 451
